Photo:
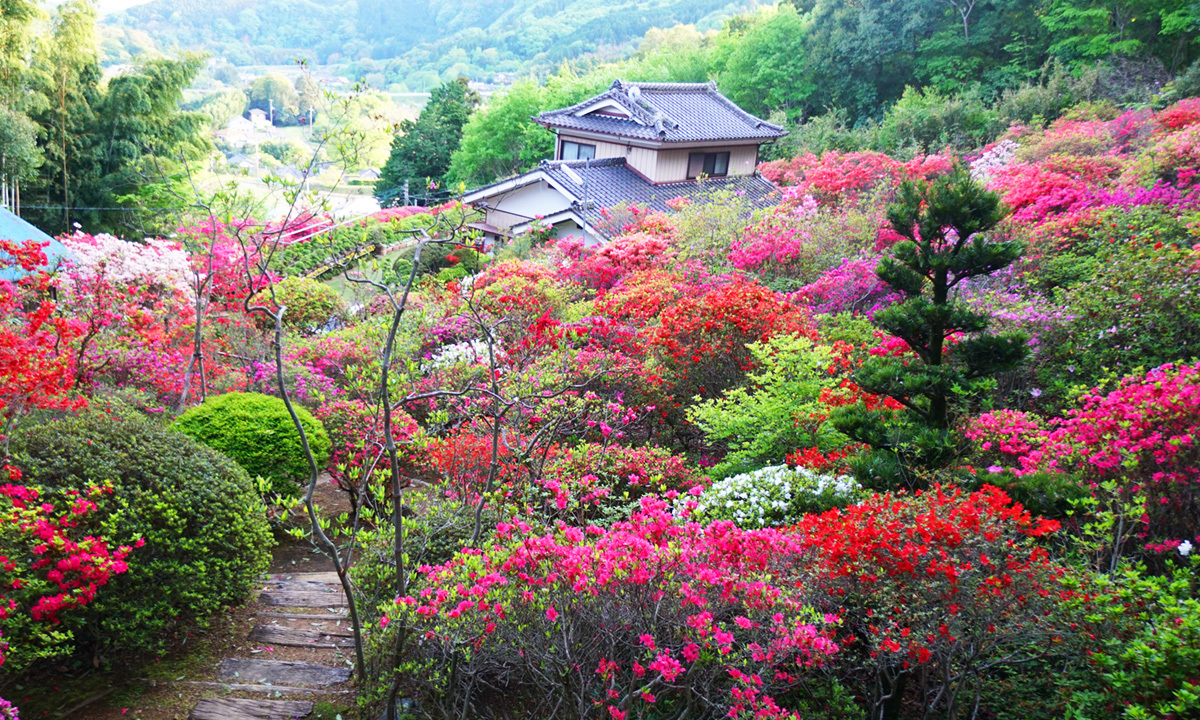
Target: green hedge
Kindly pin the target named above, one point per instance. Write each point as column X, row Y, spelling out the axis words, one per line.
column 204, row 525
column 257, row 432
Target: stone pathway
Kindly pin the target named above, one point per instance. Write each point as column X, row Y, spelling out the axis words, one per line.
column 306, row 615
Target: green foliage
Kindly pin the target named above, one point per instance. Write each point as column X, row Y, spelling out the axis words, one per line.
column 945, row 224
column 257, row 432
column 762, row 68
column 422, row 149
column 311, row 305
column 274, row 93
column 1149, row 667
column 501, row 139
column 1140, row 309
column 771, row 415
column 204, row 526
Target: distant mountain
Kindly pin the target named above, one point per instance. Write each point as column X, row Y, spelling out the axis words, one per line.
column 413, row 43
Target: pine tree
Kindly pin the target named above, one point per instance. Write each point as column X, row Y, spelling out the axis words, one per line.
column 946, row 227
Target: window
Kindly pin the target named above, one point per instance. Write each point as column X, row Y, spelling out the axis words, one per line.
column 711, row 164
column 577, row 151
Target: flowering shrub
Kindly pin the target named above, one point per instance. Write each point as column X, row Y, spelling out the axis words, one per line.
column 356, row 441
column 598, row 483
column 944, row 583
column 602, row 267
column 775, row 495
column 51, row 566
column 702, row 340
column 1141, row 435
column 836, row 177
column 535, row 613
column 35, row 372
column 852, row 286
column 193, row 508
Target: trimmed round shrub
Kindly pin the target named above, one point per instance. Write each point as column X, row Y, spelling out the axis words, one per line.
column 257, row 431
column 311, row 304
column 204, row 532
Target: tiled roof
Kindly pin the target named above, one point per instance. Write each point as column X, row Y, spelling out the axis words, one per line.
column 666, row 112
column 611, row 182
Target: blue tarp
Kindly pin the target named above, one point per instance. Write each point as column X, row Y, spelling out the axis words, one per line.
column 14, row 228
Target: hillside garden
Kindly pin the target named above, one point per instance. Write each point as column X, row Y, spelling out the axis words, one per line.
column 917, row 442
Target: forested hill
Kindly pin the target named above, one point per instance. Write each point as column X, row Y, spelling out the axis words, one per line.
column 411, row 42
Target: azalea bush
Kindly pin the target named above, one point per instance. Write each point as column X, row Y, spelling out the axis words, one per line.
column 535, row 612
column 776, row 495
column 54, row 563
column 936, row 590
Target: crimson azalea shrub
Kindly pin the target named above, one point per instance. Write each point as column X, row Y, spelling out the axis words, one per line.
column 205, row 532
column 257, row 431
column 603, row 266
column 647, row 617
column 933, row 590
column 52, row 565
column 837, row 177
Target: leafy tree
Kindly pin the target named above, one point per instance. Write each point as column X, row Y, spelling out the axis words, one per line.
column 764, row 67
column 221, row 107
column 501, row 140
column 945, row 224
column 20, row 156
column 16, row 19
column 274, row 94
column 423, row 149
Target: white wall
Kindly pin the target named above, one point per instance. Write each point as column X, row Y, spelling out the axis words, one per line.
column 519, row 205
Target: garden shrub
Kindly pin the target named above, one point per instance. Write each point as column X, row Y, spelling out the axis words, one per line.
column 1149, row 666
column 776, row 495
column 311, row 305
column 778, row 410
column 355, row 430
column 701, row 623
column 595, row 483
column 257, row 432
column 1140, row 309
column 203, row 525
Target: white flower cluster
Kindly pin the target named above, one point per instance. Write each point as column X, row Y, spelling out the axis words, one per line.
column 152, row 261
column 469, row 351
column 994, row 158
column 775, row 495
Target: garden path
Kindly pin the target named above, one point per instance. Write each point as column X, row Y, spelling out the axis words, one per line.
column 295, row 653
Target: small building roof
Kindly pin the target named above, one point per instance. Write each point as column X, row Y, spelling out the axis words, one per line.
column 14, row 228
column 663, row 112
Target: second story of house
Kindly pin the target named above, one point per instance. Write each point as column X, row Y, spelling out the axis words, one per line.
column 666, row 132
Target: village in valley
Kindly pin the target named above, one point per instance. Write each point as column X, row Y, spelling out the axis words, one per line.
column 595, row 360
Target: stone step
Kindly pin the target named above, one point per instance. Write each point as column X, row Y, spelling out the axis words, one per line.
column 301, row 637
column 252, row 670
column 305, row 616
column 239, row 709
column 327, row 578
column 303, row 599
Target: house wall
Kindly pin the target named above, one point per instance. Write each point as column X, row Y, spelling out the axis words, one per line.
column 523, row 203
column 672, row 164
column 639, row 158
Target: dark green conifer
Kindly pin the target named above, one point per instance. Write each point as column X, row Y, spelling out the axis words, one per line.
column 946, row 224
